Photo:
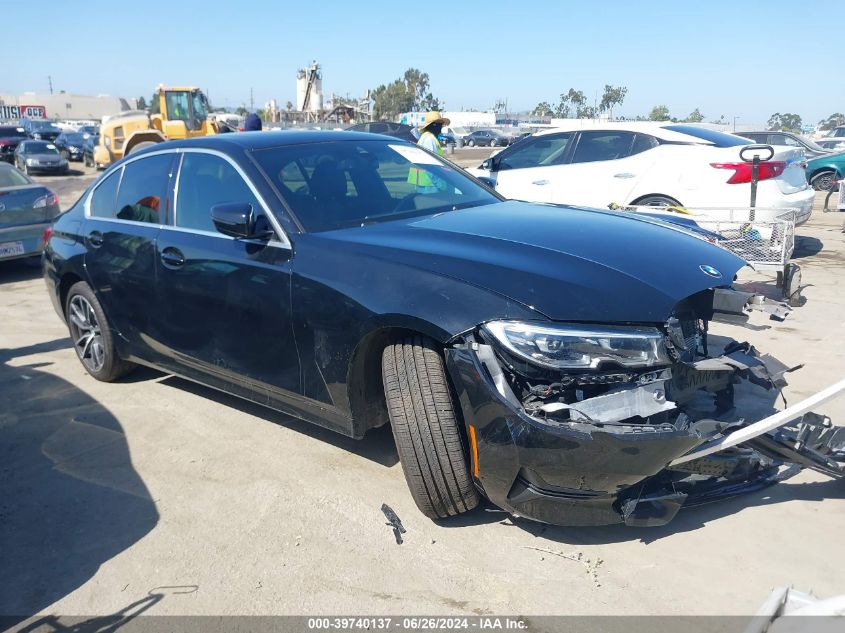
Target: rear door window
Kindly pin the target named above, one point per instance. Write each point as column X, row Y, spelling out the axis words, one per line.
column 597, row 146
column 142, row 196
column 206, row 180
column 541, row 151
column 643, row 143
column 103, row 198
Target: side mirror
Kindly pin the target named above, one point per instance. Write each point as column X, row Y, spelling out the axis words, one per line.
column 236, row 219
column 487, row 165
column 488, row 181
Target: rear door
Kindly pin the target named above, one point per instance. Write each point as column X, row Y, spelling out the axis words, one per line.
column 124, row 216
column 528, row 170
column 605, row 166
column 224, row 314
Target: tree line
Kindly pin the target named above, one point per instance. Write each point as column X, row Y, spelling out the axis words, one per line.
column 573, row 104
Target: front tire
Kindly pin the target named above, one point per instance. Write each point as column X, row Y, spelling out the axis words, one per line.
column 471, row 143
column 91, row 335
column 426, row 429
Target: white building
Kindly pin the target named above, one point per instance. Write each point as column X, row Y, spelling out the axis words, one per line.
column 64, row 105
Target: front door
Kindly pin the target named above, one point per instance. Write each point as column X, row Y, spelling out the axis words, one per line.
column 225, row 314
column 527, row 171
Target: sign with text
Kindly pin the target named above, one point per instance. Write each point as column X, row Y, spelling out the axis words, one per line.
column 23, row 111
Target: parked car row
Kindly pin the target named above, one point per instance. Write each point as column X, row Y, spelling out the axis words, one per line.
column 542, row 356
column 10, row 137
column 26, row 211
column 71, row 144
column 811, row 148
column 40, row 157
column 487, row 138
column 647, row 164
column 40, row 129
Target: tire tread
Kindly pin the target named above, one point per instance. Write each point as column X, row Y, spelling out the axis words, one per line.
column 426, row 429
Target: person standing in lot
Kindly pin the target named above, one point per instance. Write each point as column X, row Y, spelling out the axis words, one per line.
column 431, row 127
column 252, row 123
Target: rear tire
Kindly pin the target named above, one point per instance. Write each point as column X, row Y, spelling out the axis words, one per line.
column 426, row 429
column 91, row 335
column 658, row 201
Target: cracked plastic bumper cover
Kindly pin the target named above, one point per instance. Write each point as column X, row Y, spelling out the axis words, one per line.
column 579, row 474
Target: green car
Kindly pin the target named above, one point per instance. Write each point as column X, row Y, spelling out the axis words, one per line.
column 822, row 170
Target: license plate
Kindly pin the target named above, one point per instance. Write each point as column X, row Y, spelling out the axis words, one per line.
column 8, row 249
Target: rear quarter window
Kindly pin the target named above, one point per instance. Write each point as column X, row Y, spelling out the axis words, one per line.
column 102, row 200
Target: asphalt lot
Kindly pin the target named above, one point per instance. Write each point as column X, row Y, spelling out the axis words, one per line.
column 111, row 493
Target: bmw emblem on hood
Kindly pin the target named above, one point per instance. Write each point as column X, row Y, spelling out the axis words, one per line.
column 709, row 270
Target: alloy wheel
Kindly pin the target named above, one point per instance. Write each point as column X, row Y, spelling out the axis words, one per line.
column 86, row 334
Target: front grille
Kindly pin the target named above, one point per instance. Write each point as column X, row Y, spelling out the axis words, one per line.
column 685, row 336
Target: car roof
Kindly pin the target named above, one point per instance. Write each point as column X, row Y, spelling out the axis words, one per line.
column 248, row 141
column 655, row 128
column 766, row 132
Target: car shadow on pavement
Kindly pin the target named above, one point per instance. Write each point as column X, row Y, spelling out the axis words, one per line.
column 70, row 499
column 18, row 270
column 377, row 446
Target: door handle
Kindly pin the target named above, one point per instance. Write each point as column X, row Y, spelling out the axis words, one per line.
column 539, row 182
column 624, row 175
column 172, row 257
column 95, row 239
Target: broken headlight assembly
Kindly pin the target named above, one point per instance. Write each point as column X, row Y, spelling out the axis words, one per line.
column 584, row 347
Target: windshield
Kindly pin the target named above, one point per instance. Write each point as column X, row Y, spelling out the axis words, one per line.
column 352, row 183
column 74, row 137
column 719, row 139
column 40, row 148
column 43, row 126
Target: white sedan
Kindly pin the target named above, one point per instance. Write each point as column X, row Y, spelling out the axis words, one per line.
column 648, row 164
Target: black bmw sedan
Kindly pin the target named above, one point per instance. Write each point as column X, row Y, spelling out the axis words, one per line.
column 537, row 355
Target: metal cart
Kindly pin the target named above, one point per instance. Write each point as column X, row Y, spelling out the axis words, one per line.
column 767, row 245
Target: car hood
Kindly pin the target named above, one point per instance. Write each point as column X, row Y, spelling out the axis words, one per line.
column 570, row 264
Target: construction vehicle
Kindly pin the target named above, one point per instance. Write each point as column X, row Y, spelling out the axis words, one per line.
column 183, row 112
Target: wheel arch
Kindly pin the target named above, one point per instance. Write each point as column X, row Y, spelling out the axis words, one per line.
column 822, row 169
column 639, row 199
column 152, row 136
column 365, row 388
column 67, row 281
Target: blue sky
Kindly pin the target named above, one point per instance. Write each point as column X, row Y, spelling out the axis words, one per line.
column 699, row 55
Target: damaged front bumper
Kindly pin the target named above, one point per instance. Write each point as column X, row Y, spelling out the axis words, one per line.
column 651, row 442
